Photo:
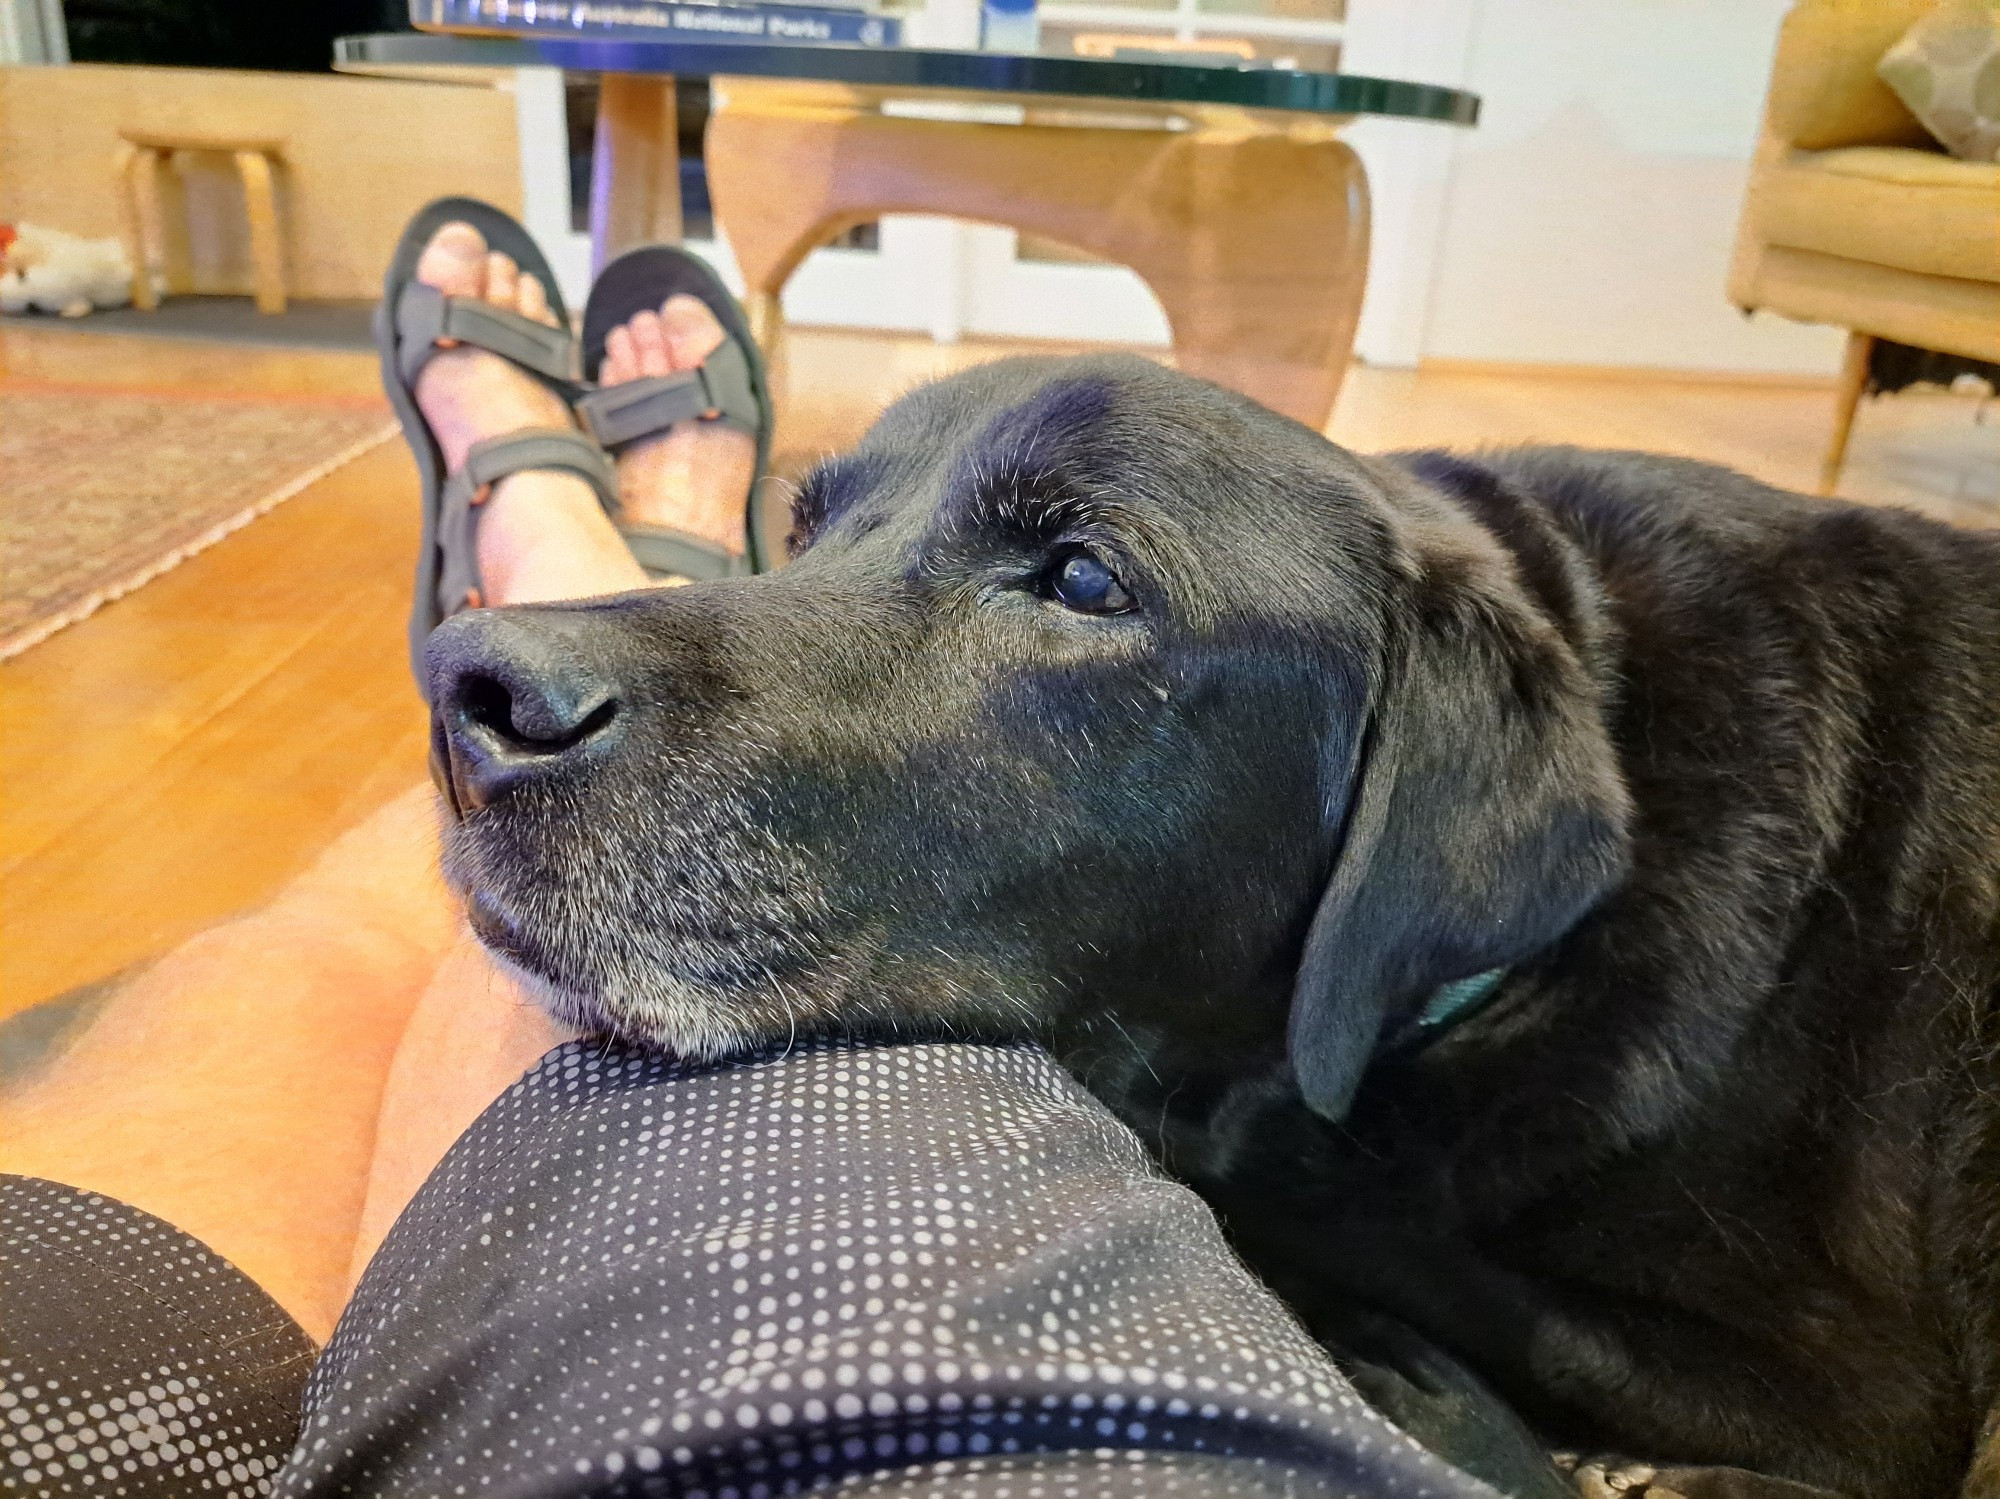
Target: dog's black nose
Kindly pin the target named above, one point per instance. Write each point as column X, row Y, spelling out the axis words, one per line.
column 514, row 698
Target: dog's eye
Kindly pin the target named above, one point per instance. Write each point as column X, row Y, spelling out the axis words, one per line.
column 1080, row 581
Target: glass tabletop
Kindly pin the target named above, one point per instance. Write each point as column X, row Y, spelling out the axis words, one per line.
column 914, row 67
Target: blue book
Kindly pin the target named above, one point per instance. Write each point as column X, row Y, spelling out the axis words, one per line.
column 662, row 20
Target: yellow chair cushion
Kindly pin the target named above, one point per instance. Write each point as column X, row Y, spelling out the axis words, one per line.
column 1916, row 210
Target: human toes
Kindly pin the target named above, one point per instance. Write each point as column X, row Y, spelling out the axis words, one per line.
column 503, row 280
column 690, row 329
column 532, row 301
column 454, row 261
column 682, row 334
column 621, row 357
column 649, row 345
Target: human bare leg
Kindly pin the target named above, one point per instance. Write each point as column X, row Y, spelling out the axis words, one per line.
column 279, row 1087
column 232, row 1089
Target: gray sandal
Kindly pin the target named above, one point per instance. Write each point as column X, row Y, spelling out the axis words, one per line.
column 729, row 387
column 412, row 324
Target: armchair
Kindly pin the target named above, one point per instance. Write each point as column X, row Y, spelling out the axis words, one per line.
column 1855, row 217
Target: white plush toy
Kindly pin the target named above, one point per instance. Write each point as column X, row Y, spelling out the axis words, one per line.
column 50, row 271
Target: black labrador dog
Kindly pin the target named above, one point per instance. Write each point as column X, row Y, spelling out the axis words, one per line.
column 1549, row 898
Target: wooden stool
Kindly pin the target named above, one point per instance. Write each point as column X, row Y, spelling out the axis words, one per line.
column 137, row 170
column 1251, row 229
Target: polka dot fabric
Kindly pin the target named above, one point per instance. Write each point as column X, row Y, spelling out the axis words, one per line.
column 915, row 1270
column 135, row 1362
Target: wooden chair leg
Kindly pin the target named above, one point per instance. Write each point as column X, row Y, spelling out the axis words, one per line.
column 765, row 312
column 1847, row 396
column 266, row 250
column 148, row 226
column 130, row 232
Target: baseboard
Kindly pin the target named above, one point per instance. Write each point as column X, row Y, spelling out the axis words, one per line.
column 304, row 324
column 1626, row 374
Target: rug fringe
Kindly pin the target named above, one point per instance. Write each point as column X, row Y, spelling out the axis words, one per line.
column 42, row 629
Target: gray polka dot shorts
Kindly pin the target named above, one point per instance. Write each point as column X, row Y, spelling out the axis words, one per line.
column 135, row 1362
column 922, row 1270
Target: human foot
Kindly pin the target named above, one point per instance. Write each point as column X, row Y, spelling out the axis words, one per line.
column 695, row 476
column 542, row 534
column 467, row 394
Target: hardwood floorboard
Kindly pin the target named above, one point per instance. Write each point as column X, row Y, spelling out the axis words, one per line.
column 55, row 355
column 177, row 756
column 173, row 759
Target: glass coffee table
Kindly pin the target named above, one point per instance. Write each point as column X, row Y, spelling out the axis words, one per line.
column 1226, row 188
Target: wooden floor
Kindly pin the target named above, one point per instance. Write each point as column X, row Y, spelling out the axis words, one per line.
column 174, row 758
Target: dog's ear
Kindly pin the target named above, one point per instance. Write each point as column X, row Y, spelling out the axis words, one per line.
column 1484, row 812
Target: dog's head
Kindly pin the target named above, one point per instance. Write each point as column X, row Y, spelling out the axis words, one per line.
column 1097, row 705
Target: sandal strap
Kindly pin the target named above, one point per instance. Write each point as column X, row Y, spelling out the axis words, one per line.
column 559, row 449
column 677, row 554
column 718, row 389
column 427, row 318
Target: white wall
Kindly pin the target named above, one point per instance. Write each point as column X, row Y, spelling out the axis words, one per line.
column 1409, row 162
column 33, row 31
column 1590, row 216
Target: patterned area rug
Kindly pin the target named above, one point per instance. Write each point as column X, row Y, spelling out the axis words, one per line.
column 101, row 491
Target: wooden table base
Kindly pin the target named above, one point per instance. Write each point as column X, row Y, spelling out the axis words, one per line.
column 635, row 171
column 1255, row 240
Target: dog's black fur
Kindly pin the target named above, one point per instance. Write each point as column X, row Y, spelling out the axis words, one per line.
column 1712, row 770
